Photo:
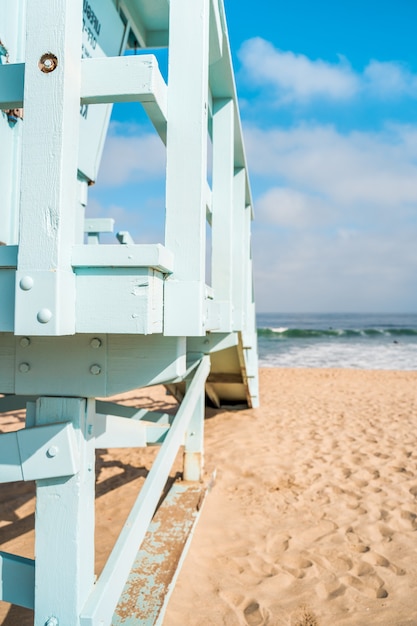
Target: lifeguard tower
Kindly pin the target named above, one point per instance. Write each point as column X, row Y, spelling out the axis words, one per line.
column 81, row 320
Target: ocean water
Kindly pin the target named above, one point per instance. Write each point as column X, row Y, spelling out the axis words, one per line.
column 352, row 340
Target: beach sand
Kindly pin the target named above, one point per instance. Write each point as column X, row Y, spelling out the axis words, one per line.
column 313, row 516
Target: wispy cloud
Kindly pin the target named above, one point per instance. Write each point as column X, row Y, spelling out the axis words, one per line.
column 296, row 78
column 131, row 153
column 336, row 217
column 390, row 80
column 359, row 168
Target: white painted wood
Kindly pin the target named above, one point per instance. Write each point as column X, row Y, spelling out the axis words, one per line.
column 119, row 299
column 103, row 34
column 12, row 17
column 64, row 521
column 113, row 431
column 127, row 79
column 216, row 32
column 223, row 239
column 102, row 601
column 241, row 250
column 49, row 169
column 193, row 459
column 153, row 256
column 187, row 165
column 138, row 361
column 99, row 225
column 126, row 362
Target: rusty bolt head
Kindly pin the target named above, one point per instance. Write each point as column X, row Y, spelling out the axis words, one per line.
column 47, row 63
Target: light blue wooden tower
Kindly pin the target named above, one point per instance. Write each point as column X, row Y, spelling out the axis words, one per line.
column 80, row 321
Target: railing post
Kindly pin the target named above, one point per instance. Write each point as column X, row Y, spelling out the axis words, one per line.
column 185, row 226
column 45, row 283
column 223, row 235
column 193, row 460
column 12, row 37
column 64, row 522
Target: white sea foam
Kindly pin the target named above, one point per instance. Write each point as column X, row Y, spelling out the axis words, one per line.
column 351, row 355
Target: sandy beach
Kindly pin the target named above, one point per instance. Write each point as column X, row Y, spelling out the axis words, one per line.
column 313, row 516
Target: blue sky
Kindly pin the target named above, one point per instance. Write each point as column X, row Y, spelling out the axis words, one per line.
column 328, row 97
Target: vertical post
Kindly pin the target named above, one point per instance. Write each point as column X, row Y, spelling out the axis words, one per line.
column 193, row 461
column 45, row 288
column 241, row 252
column 64, row 523
column 223, row 235
column 187, row 166
column 12, row 20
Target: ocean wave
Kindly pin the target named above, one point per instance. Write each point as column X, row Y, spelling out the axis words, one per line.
column 345, row 333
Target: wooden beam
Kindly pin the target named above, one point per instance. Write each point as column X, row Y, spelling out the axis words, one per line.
column 186, row 195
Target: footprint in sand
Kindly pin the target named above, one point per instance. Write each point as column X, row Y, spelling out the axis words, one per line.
column 404, row 520
column 295, row 565
column 321, row 529
column 329, row 590
column 362, row 569
column 340, row 563
column 371, row 586
column 381, row 532
column 277, row 544
column 356, row 543
column 382, row 561
column 253, row 615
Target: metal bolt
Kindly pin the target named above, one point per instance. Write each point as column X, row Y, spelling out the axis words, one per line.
column 26, row 283
column 47, row 63
column 95, row 342
column 52, row 451
column 24, row 367
column 24, row 342
column 95, row 369
column 44, row 316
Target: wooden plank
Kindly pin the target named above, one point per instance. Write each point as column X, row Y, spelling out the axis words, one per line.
column 153, row 256
column 64, row 521
column 157, row 564
column 241, row 225
column 186, row 195
column 12, row 17
column 45, row 296
column 223, row 239
column 127, row 79
column 230, row 378
column 102, row 602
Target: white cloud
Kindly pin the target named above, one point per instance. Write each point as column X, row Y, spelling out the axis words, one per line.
column 390, row 79
column 290, row 208
column 134, row 155
column 362, row 168
column 296, row 78
column 338, row 231
column 315, row 272
column 295, row 75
